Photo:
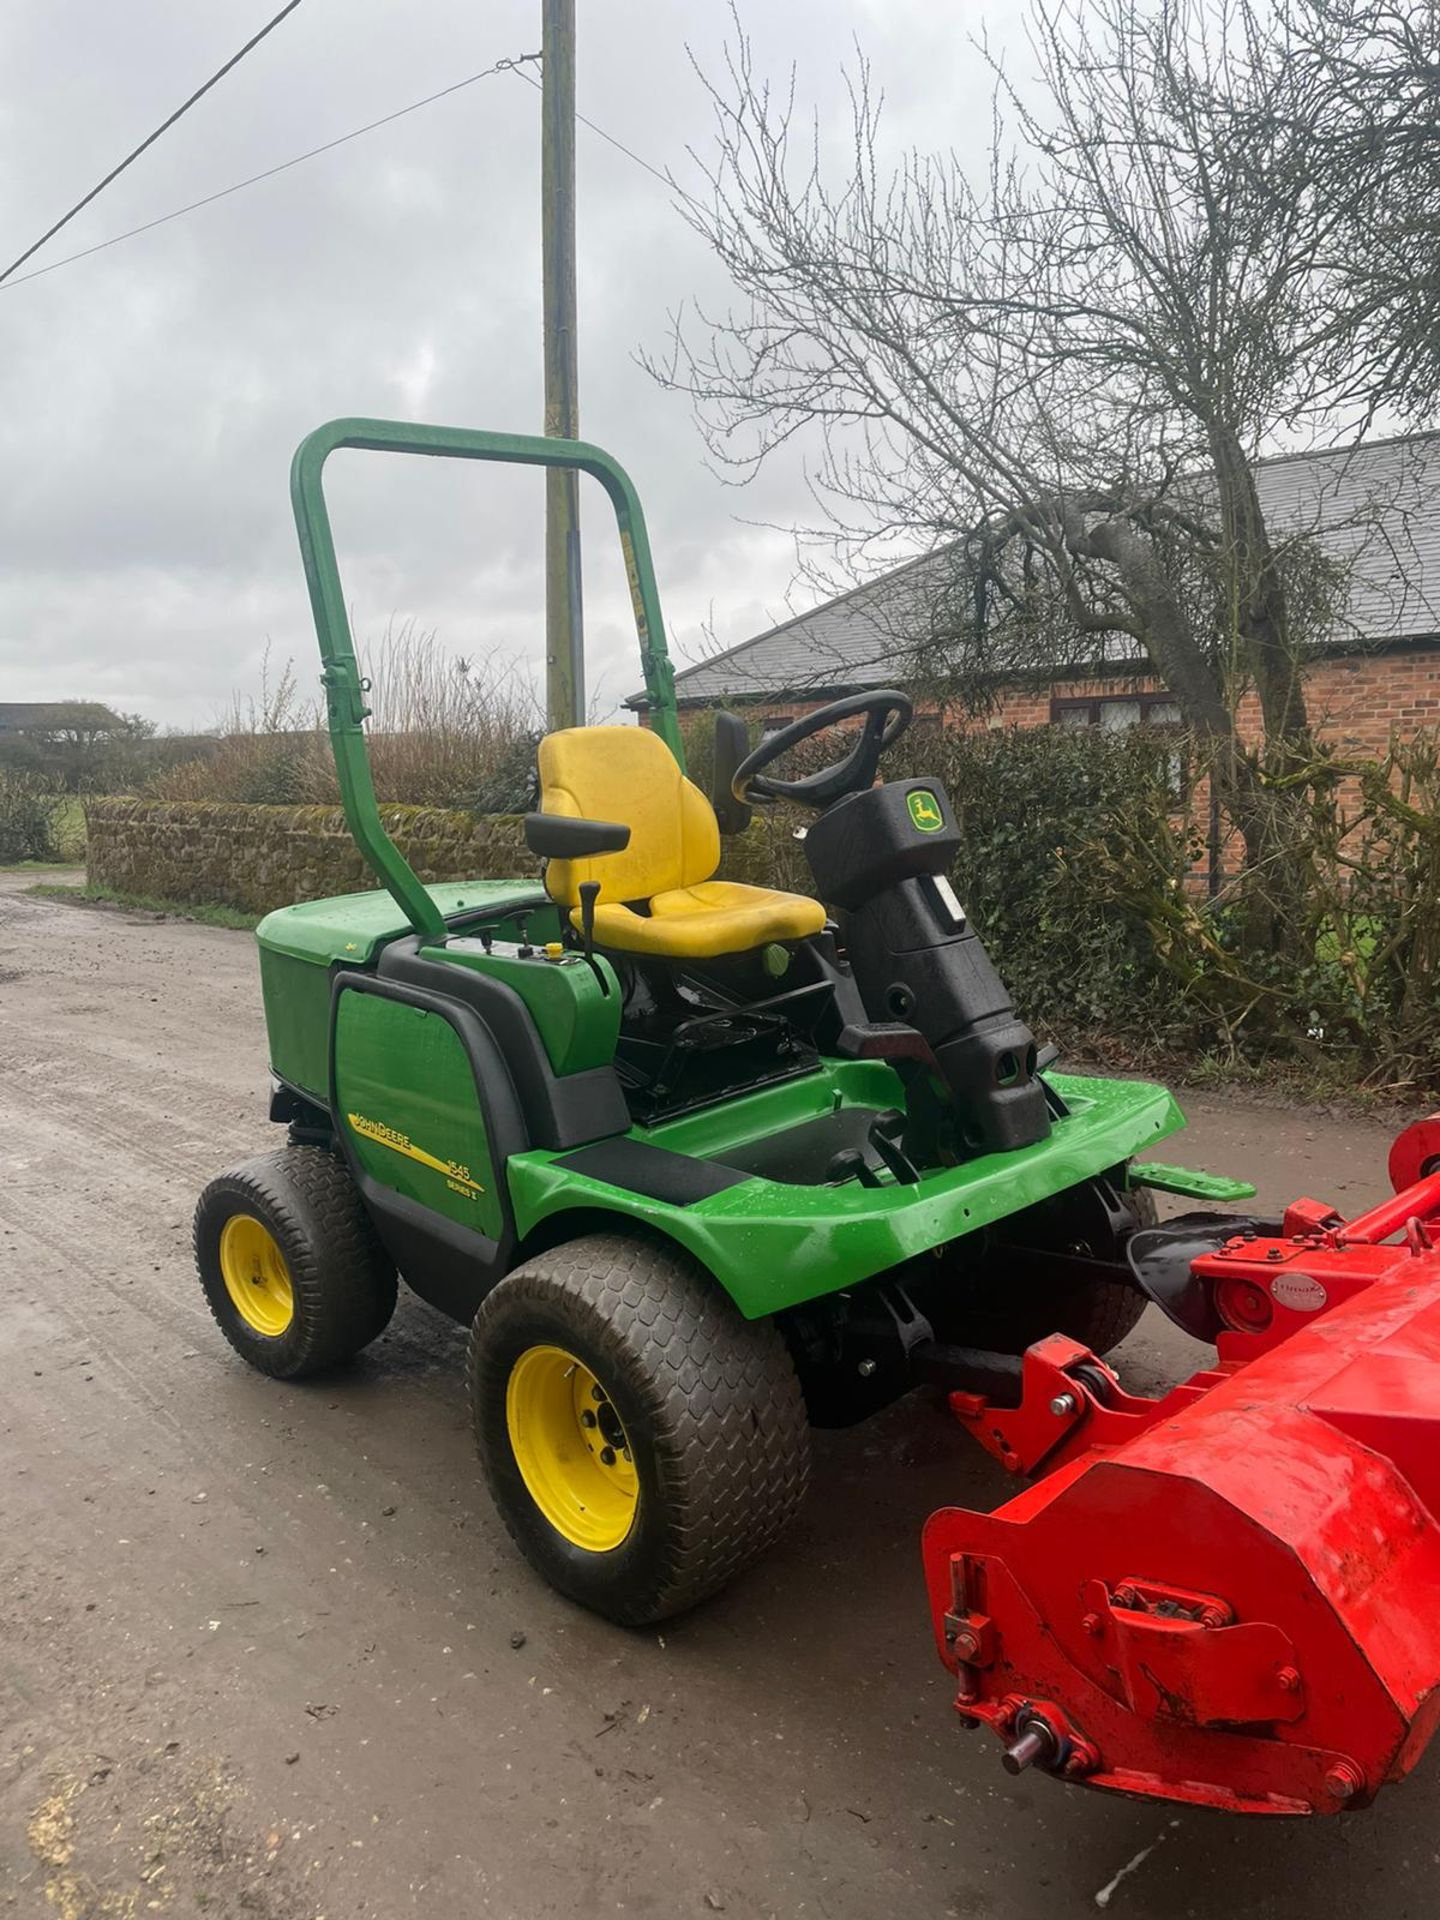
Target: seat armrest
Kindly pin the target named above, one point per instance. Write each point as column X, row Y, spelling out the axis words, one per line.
column 556, row 836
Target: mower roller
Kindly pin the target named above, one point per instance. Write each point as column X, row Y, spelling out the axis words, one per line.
column 703, row 1164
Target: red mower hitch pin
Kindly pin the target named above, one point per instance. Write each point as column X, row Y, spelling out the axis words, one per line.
column 1044, row 1738
column 1039, row 1743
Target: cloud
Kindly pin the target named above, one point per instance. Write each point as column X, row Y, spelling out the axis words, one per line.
column 151, row 396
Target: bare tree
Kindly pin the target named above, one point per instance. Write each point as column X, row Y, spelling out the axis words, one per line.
column 78, row 742
column 1065, row 372
column 1363, row 76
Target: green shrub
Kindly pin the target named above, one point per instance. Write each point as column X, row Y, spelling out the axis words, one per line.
column 30, row 819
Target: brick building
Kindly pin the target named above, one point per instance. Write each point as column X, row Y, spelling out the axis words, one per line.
column 1373, row 509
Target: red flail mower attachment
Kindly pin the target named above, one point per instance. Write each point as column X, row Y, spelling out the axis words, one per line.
column 1229, row 1596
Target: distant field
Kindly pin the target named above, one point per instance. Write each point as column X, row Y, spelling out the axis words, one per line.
column 70, row 828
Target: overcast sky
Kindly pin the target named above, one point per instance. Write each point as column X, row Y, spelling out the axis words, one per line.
column 151, row 396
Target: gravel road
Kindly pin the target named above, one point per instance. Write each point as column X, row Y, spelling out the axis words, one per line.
column 265, row 1652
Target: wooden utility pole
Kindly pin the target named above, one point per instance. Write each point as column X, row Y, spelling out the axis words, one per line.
column 564, row 617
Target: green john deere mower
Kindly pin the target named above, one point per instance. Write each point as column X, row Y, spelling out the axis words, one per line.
column 699, row 1164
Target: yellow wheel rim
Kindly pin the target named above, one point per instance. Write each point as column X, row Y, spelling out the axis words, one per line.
column 256, row 1276
column 572, row 1452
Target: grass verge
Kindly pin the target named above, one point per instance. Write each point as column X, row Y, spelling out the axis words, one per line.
column 143, row 903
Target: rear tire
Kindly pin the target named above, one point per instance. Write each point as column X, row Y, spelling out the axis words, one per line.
column 294, row 1273
column 710, row 1442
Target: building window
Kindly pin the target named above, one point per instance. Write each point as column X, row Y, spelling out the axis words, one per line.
column 775, row 723
column 1117, row 712
column 1121, row 713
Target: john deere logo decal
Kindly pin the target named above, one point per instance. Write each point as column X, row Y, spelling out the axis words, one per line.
column 457, row 1175
column 925, row 810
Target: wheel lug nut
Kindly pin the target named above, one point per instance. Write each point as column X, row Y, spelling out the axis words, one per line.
column 607, row 1456
column 597, row 1393
column 587, row 1418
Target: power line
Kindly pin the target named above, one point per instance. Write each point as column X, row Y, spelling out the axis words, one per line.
column 664, row 178
column 501, row 66
column 515, row 65
column 150, row 139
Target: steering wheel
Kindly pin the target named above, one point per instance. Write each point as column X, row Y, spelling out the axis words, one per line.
column 887, row 714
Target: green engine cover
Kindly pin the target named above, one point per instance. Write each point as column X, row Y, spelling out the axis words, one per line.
column 575, row 1008
column 409, row 1106
column 302, row 946
column 353, row 927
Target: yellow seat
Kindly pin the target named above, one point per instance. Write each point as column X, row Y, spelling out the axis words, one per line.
column 628, row 774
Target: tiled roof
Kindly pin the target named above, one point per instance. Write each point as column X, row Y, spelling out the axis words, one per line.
column 1375, row 508
column 17, row 714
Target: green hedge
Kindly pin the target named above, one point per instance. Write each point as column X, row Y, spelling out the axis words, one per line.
column 35, row 819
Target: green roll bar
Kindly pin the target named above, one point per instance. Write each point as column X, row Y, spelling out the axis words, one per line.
column 345, row 689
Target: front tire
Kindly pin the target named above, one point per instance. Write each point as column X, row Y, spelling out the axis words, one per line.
column 642, row 1441
column 294, row 1273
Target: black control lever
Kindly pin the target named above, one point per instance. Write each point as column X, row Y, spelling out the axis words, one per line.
column 589, row 894
column 1054, row 1099
column 884, row 1131
column 850, row 1164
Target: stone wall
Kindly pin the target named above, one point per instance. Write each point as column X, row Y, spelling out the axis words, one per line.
column 256, row 858
column 209, row 853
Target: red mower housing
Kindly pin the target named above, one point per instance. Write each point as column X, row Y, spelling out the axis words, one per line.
column 1229, row 1596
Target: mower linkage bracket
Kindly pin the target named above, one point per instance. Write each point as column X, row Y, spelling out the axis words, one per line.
column 1060, row 1411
